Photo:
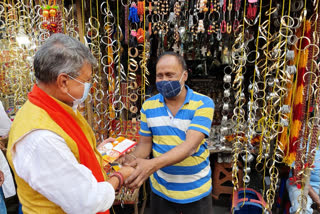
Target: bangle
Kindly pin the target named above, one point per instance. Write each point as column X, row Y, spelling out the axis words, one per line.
column 133, row 109
column 135, row 54
column 133, row 85
column 133, row 65
column 120, row 178
column 133, row 97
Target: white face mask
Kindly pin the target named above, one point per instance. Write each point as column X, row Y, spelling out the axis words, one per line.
column 76, row 102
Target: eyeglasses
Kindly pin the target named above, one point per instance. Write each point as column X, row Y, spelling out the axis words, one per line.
column 82, row 82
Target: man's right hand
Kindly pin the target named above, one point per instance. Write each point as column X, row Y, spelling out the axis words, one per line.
column 143, row 169
column 109, row 140
column 1, row 177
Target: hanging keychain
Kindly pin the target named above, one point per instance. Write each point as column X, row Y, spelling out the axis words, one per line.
column 140, row 10
column 229, row 25
column 133, row 13
column 223, row 25
column 49, row 14
column 150, row 21
column 177, row 11
column 236, row 16
column 252, row 9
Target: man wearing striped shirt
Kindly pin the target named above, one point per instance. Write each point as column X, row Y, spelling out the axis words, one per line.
column 174, row 124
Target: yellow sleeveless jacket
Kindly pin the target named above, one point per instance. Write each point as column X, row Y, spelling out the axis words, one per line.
column 29, row 118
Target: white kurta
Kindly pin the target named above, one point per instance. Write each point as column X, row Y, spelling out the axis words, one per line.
column 5, row 122
column 8, row 185
column 43, row 159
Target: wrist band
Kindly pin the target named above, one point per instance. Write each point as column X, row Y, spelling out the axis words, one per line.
column 120, row 178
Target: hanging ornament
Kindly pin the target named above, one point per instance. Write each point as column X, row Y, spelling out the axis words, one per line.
column 140, row 36
column 45, row 16
column 133, row 38
column 201, row 27
column 140, row 10
column 49, row 15
column 176, row 33
column 203, row 6
column 133, row 13
column 177, row 9
column 252, row 9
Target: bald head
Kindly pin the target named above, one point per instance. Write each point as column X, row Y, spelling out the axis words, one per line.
column 179, row 59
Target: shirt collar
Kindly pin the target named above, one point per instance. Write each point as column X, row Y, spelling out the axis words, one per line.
column 186, row 100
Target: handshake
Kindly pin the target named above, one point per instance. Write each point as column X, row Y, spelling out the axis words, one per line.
column 134, row 170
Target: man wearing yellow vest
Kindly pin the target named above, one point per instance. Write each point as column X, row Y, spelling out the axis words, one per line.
column 52, row 149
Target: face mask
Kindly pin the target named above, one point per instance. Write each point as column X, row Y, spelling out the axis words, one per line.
column 76, row 102
column 170, row 89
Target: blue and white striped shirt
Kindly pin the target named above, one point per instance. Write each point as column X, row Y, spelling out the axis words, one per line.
column 190, row 179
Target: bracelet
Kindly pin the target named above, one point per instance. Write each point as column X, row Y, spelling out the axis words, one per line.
column 120, row 178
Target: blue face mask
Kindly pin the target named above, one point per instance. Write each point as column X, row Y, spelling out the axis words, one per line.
column 169, row 89
column 76, row 102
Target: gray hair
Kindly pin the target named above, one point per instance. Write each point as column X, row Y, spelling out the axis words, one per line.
column 61, row 54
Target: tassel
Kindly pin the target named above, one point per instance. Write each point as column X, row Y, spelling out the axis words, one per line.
column 133, row 13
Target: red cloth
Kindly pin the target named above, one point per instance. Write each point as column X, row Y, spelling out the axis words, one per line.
column 70, row 126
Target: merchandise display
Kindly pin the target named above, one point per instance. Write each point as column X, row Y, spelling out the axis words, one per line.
column 112, row 151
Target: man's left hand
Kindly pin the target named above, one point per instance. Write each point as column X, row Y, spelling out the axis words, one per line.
column 109, row 140
column 144, row 168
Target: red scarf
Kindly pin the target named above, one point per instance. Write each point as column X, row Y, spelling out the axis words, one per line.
column 70, row 126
